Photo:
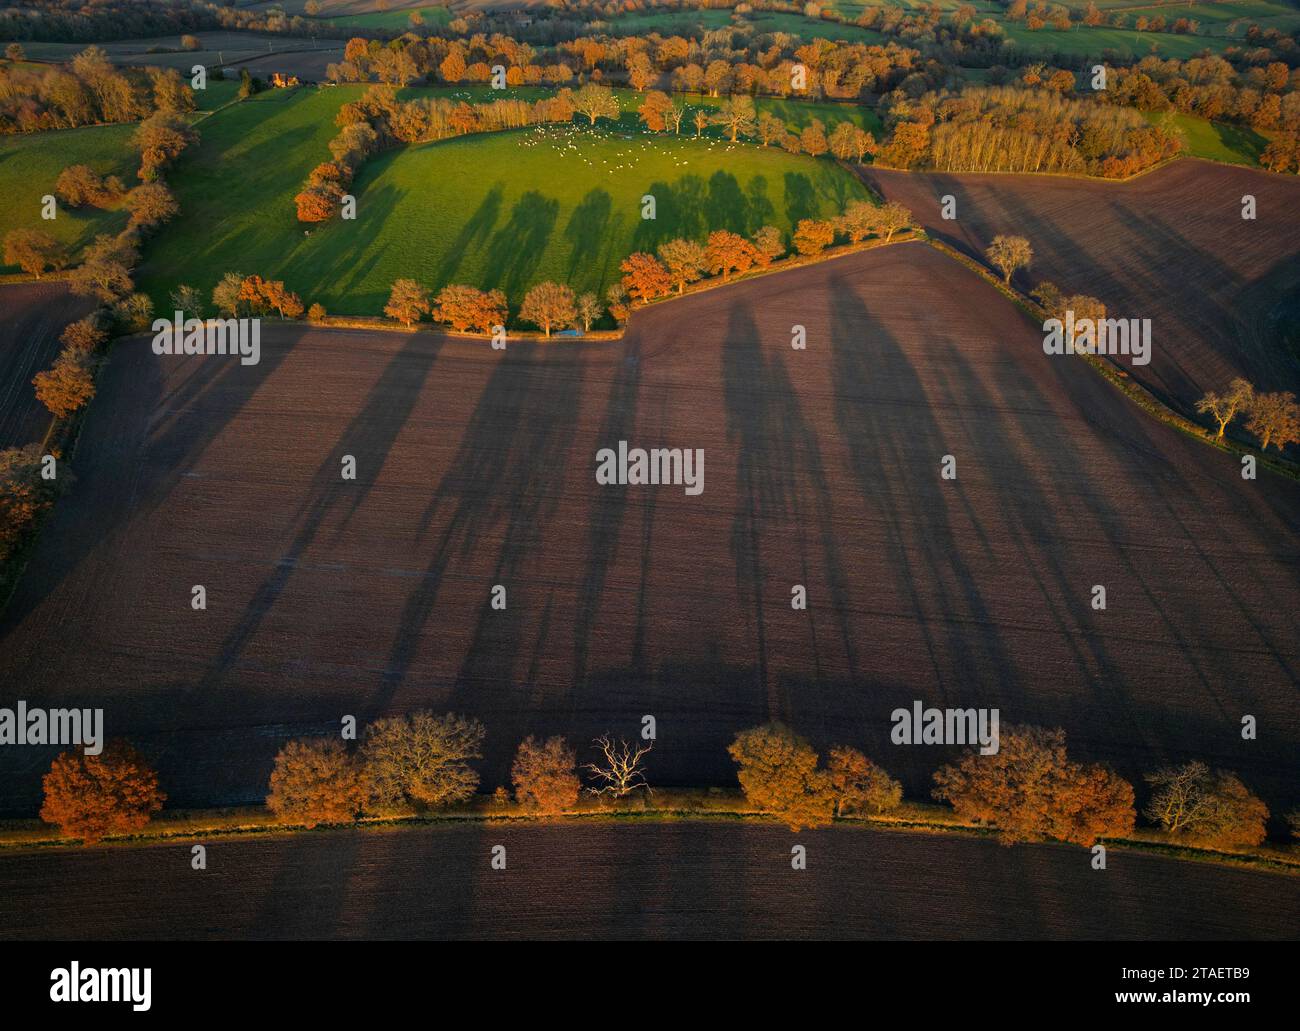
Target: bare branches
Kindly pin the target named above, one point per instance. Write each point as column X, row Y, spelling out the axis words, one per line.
column 619, row 772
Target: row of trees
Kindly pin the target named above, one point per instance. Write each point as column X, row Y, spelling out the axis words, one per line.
column 1274, row 418
column 1030, row 790
column 88, row 90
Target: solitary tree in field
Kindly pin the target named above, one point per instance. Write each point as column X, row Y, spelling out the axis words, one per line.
column 407, row 301
column 1211, row 807
column 1009, row 253
column 549, row 306
column 620, row 770
column 422, row 758
column 644, row 277
column 315, row 780
column 1031, row 790
column 596, row 101
column 32, row 251
column 685, row 261
column 860, row 786
column 778, row 772
column 1224, row 408
column 92, row 796
column 69, row 384
column 893, row 217
column 545, row 776
column 1275, row 419
column 589, row 310
column 737, row 115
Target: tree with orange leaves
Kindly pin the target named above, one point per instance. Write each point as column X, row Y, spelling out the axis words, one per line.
column 315, row 780
column 858, row 785
column 728, row 252
column 778, row 772
column 318, row 203
column 812, row 236
column 407, row 301
column 685, row 261
column 263, row 294
column 92, row 796
column 69, row 384
column 465, row 308
column 545, row 776
column 644, row 277
column 1030, row 790
column 24, row 494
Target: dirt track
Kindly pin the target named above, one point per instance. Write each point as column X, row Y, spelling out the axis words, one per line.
column 1170, row 246
column 32, row 315
column 632, row 882
column 329, row 597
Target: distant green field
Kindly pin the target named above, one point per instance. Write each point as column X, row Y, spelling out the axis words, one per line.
column 29, row 166
column 433, row 18
column 505, row 210
column 1082, row 40
column 1234, row 144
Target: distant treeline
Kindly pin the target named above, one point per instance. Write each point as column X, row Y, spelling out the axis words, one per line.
column 75, row 21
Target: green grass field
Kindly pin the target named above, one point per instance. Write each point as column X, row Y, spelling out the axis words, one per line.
column 29, row 166
column 399, row 20
column 505, row 210
column 1233, row 144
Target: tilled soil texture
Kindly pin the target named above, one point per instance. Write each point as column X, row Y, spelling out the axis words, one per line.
column 32, row 315
column 588, row 881
column 329, row 597
column 1222, row 292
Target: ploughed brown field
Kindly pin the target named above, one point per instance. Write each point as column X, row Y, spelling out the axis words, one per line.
column 1222, row 292
column 32, row 315
column 328, row 597
column 688, row 880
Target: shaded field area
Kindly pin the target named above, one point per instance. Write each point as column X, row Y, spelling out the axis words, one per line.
column 579, row 881
column 32, row 315
column 329, row 597
column 1221, row 291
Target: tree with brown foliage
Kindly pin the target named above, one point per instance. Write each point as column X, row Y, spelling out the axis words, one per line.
column 1031, row 790
column 465, row 308
column 892, row 217
column 778, row 772
column 422, row 759
column 654, row 110
column 812, row 236
column 1009, row 253
column 589, row 310
column 812, row 139
column 1223, row 408
column 105, row 270
column 80, row 185
column 32, row 251
column 1209, row 807
column 315, row 781
column 545, row 776
column 728, row 252
column 85, row 334
column 407, row 301
column 69, row 384
column 93, row 796
column 685, row 261
column 263, row 294
column 736, row 115
column 151, row 204
column 549, row 306
column 644, row 277
column 318, row 203
column 161, row 139
column 596, row 101
column 860, row 786
column 859, row 220
column 1275, row 419
column 768, row 245
column 24, row 495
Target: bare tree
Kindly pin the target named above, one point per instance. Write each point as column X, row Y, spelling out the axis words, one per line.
column 619, row 773
column 1224, row 408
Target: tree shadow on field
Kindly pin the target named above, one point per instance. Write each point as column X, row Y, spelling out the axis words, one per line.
column 587, row 230
column 727, row 208
column 517, row 248
column 761, row 210
column 681, row 210
column 369, row 436
column 473, row 234
column 800, row 197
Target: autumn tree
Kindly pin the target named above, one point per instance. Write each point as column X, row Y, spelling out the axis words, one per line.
column 188, row 300
column 151, row 204
column 422, row 759
column 545, row 776
column 736, row 115
column 80, row 185
column 161, row 139
column 1275, row 419
column 1009, row 253
column 549, row 306
column 778, row 772
column 226, row 295
column 1209, row 807
column 25, row 495
column 654, row 110
column 685, row 261
column 644, row 277
column 860, row 786
column 1223, row 408
column 770, row 128
column 812, row 139
column 892, row 218
column 620, row 770
column 315, row 781
column 318, row 203
column 859, row 220
column 619, row 308
column 407, row 301
column 1030, row 790
column 85, row 334
column 465, row 308
column 700, row 120
column 264, row 294
column 69, row 384
column 768, row 244
column 93, row 796
column 105, row 269
column 596, row 101
column 812, row 236
column 728, row 252
column 32, row 251
column 589, row 310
